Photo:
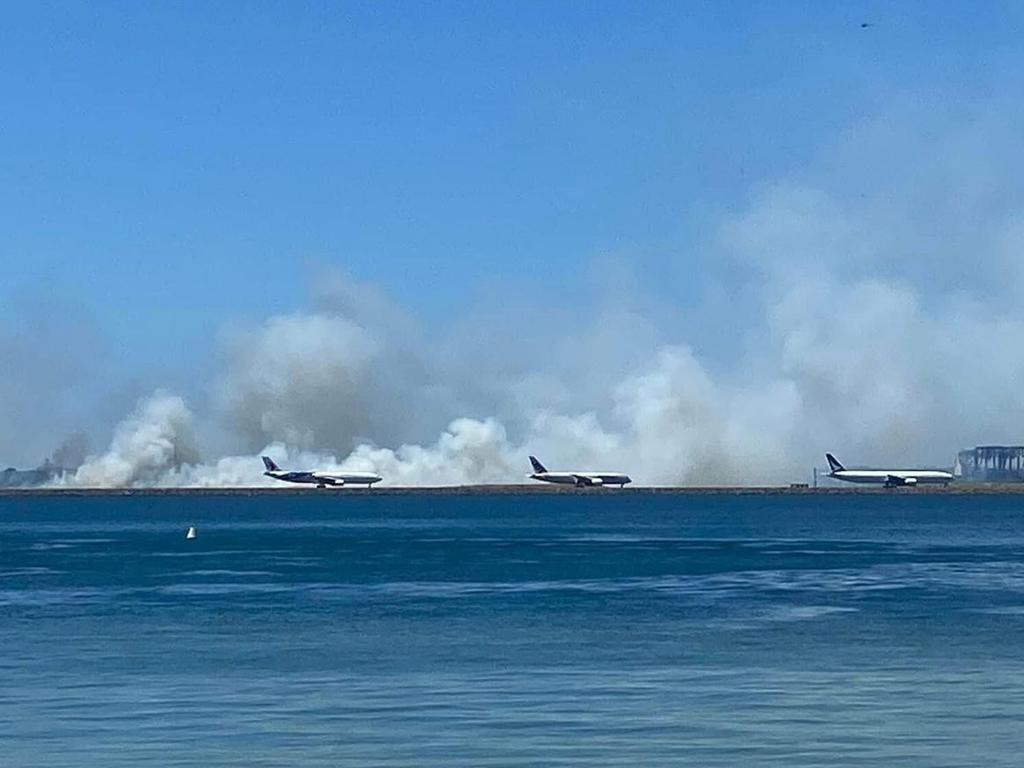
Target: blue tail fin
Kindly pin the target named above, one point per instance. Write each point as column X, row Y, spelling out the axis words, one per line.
column 270, row 465
column 833, row 463
column 537, row 466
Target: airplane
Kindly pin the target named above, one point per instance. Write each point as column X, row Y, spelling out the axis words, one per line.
column 319, row 479
column 890, row 478
column 579, row 479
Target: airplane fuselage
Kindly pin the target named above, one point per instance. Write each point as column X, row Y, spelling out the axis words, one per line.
column 583, row 479
column 322, row 480
column 893, row 477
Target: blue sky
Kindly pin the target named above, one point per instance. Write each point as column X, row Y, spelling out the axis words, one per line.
column 170, row 167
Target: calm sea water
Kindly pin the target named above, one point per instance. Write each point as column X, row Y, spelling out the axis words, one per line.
column 582, row 630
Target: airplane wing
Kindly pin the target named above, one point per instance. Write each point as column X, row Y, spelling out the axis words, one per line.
column 327, row 479
column 898, row 480
column 587, row 480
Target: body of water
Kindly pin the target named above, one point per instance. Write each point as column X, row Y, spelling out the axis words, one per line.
column 580, row 629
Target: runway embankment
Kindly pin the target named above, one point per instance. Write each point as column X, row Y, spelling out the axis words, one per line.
column 960, row 489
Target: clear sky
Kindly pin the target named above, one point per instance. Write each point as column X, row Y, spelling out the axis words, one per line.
column 169, row 167
column 171, row 164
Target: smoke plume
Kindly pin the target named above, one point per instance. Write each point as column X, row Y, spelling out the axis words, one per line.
column 869, row 308
column 71, row 453
column 148, row 446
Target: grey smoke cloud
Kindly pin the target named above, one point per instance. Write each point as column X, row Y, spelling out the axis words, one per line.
column 871, row 311
column 50, row 359
column 302, row 379
column 71, row 453
column 353, row 368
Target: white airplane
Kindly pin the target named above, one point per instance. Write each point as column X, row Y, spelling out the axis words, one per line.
column 319, row 479
column 579, row 479
column 890, row 478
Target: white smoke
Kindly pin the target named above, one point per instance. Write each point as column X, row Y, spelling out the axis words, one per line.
column 672, row 424
column 861, row 313
column 154, row 440
column 152, row 448
column 468, row 451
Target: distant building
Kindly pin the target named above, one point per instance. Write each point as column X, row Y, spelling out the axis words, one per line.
column 25, row 478
column 991, row 464
column 29, row 478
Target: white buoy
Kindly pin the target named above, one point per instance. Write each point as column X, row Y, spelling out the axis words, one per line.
column 191, row 532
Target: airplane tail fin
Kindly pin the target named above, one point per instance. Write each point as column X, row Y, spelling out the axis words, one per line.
column 833, row 463
column 270, row 465
column 537, row 466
